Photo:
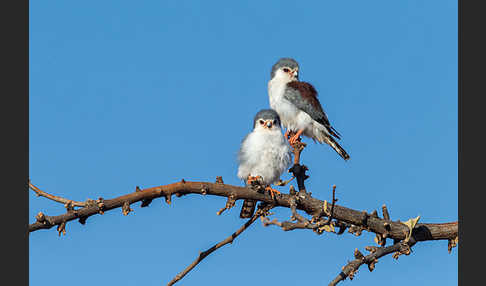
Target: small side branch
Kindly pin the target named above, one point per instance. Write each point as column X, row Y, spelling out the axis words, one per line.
column 203, row 254
column 334, row 200
column 350, row 269
column 229, row 204
column 317, row 224
column 381, row 237
column 61, row 200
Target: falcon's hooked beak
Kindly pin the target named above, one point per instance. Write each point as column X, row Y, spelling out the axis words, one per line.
column 295, row 73
column 269, row 124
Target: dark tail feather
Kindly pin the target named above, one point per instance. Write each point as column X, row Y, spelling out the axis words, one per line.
column 334, row 132
column 247, row 209
column 337, row 148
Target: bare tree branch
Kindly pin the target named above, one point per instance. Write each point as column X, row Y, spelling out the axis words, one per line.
column 404, row 235
column 311, row 206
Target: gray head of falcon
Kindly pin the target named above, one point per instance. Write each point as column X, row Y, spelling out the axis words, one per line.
column 299, row 108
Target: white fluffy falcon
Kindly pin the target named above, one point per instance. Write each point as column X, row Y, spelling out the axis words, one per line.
column 298, row 107
column 263, row 156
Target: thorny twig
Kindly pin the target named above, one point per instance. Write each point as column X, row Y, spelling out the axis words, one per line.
column 317, row 224
column 350, row 269
column 61, row 200
column 229, row 204
column 334, row 200
column 284, row 183
column 381, row 237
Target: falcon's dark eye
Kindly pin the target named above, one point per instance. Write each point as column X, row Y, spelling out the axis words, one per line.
column 262, row 122
column 275, row 122
column 286, row 70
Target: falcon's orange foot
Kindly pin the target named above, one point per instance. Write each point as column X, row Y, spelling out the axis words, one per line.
column 253, row 180
column 295, row 137
column 272, row 191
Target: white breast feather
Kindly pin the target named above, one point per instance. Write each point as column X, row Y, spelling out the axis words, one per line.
column 264, row 153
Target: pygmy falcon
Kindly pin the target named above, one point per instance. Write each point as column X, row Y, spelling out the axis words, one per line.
column 263, row 156
column 298, row 107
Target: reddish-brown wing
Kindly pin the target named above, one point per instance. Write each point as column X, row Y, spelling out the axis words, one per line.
column 304, row 96
column 308, row 93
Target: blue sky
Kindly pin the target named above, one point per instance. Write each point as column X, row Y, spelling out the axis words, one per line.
column 125, row 94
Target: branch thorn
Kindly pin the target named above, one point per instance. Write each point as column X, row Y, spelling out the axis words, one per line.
column 61, row 228
column 40, row 217
column 219, row 180
column 126, row 209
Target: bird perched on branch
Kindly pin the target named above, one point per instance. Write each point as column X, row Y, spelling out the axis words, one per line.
column 263, row 156
column 298, row 107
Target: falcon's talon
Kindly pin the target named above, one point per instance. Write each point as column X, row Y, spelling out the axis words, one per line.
column 292, row 140
column 272, row 191
column 296, row 137
column 286, row 134
column 254, row 180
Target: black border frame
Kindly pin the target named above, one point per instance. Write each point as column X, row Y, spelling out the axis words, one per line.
column 15, row 115
column 15, row 135
column 471, row 73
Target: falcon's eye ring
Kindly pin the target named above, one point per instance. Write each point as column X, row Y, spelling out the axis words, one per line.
column 262, row 122
column 286, row 70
